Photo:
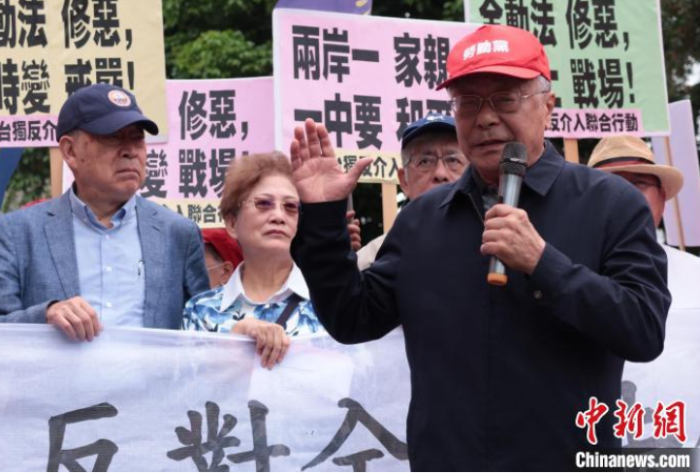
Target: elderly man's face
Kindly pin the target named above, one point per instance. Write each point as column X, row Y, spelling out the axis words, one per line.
column 219, row 271
column 108, row 167
column 650, row 186
column 483, row 135
column 434, row 159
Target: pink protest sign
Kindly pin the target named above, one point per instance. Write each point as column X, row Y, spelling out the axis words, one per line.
column 366, row 78
column 684, row 156
column 210, row 122
column 585, row 123
column 50, row 50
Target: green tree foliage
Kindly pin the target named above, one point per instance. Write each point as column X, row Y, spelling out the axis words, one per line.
column 452, row 10
column 220, row 39
column 209, row 39
column 30, row 181
column 217, row 54
column 681, row 34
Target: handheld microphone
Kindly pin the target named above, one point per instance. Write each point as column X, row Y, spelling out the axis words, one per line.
column 512, row 169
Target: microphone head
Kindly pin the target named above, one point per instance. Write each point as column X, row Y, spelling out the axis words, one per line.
column 514, row 159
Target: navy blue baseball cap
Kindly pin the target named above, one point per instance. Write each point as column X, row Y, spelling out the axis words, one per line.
column 102, row 109
column 431, row 122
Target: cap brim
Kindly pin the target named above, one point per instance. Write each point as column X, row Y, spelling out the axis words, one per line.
column 117, row 120
column 512, row 71
column 671, row 179
column 428, row 127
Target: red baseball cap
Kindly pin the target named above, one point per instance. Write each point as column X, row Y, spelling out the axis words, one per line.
column 227, row 248
column 498, row 49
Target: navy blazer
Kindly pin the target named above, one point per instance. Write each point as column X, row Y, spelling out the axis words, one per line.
column 38, row 262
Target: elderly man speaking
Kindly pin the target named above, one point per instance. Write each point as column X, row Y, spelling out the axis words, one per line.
column 99, row 255
column 499, row 375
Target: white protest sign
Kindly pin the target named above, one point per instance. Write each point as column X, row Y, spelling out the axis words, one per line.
column 156, row 400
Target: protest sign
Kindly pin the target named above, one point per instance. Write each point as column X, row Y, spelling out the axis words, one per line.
column 671, row 378
column 606, row 58
column 157, row 400
column 681, row 223
column 49, row 50
column 152, row 400
column 366, row 78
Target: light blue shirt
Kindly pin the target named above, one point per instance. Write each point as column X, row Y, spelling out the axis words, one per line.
column 110, row 263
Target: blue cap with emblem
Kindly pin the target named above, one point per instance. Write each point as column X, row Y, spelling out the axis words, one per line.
column 102, row 109
column 429, row 123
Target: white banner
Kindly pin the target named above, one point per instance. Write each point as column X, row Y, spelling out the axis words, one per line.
column 152, row 400
column 673, row 376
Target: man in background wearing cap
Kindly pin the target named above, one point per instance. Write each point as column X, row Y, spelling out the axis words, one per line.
column 430, row 156
column 631, row 159
column 498, row 374
column 99, row 255
column 222, row 255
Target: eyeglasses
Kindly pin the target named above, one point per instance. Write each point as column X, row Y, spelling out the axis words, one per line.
column 120, row 138
column 428, row 162
column 503, row 102
column 644, row 184
column 265, row 205
column 215, row 266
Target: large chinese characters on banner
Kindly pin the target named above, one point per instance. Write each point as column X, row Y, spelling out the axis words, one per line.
column 157, row 400
column 366, row 78
column 50, row 49
column 606, row 58
column 210, row 122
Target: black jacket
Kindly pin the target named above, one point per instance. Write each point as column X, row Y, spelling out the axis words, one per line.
column 499, row 373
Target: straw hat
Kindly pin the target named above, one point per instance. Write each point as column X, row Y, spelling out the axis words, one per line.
column 631, row 154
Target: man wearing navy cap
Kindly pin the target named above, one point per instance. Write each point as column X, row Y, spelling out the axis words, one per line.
column 99, row 255
column 430, row 156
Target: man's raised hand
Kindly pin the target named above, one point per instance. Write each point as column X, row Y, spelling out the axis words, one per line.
column 317, row 175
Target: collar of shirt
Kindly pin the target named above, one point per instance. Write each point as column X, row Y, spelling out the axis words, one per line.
column 539, row 177
column 85, row 214
column 233, row 289
column 489, row 193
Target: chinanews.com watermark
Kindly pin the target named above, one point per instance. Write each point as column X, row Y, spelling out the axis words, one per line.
column 640, row 460
column 644, row 429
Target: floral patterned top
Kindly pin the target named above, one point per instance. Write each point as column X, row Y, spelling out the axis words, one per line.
column 219, row 309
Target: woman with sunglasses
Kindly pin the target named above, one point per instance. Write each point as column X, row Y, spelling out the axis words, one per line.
column 266, row 298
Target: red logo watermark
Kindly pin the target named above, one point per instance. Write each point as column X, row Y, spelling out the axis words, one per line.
column 589, row 418
column 668, row 420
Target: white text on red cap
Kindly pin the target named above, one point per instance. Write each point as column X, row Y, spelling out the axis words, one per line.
column 486, row 47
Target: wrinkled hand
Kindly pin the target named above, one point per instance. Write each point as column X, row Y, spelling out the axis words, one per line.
column 510, row 236
column 272, row 343
column 354, row 231
column 317, row 175
column 76, row 318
